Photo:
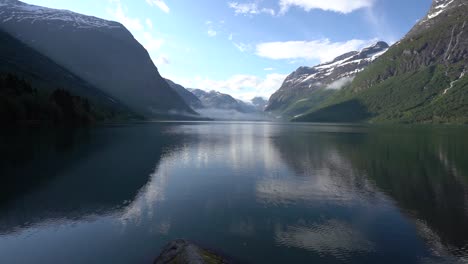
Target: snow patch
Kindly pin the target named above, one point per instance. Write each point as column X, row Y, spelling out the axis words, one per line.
column 18, row 11
column 438, row 10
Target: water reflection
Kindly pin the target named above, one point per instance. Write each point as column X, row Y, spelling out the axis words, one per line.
column 332, row 237
column 81, row 172
column 262, row 192
column 424, row 170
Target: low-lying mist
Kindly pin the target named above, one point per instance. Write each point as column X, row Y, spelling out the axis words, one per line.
column 224, row 114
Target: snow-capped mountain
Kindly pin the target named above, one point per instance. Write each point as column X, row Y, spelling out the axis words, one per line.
column 439, row 10
column 331, row 75
column 19, row 11
column 103, row 53
column 220, row 106
column 217, row 100
column 420, row 79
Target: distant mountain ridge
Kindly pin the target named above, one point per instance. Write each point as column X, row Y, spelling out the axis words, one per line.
column 309, row 86
column 217, row 100
column 420, row 79
column 101, row 52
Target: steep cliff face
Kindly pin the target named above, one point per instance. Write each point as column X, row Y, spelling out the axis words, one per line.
column 188, row 97
column 101, row 52
column 310, row 85
column 420, row 79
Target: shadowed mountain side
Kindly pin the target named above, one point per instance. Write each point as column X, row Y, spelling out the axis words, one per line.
column 45, row 75
column 103, row 53
column 349, row 111
column 188, row 97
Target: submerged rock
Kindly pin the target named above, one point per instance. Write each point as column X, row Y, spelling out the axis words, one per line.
column 183, row 252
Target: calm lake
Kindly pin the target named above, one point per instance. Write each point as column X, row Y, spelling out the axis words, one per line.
column 258, row 192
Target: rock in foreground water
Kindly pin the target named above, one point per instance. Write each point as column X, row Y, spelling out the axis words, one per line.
column 183, row 252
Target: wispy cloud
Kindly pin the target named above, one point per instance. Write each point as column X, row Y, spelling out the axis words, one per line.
column 249, row 9
column 160, row 4
column 340, row 6
column 120, row 14
column 146, row 38
column 323, row 50
column 242, row 47
column 212, row 33
column 149, row 23
column 379, row 23
column 215, row 28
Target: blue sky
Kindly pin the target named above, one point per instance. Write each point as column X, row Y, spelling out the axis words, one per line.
column 247, row 47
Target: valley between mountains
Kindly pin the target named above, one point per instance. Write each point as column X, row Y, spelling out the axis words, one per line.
column 419, row 79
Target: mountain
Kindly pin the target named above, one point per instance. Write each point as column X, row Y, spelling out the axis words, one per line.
column 41, row 73
column 189, row 98
column 102, row 53
column 309, row 86
column 217, row 100
column 420, row 79
column 219, row 106
column 260, row 103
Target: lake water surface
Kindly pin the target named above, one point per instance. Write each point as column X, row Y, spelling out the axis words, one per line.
column 258, row 192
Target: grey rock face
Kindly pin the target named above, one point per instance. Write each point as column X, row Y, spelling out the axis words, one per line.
column 103, row 53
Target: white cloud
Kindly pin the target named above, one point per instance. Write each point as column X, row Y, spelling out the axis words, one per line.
column 160, row 4
column 144, row 37
column 119, row 14
column 323, row 49
column 149, row 23
column 340, row 6
column 212, row 33
column 268, row 69
column 231, row 36
column 150, row 42
column 249, row 9
column 242, row 47
column 340, row 83
column 240, row 86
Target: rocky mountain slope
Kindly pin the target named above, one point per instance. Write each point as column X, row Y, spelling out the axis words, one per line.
column 103, row 53
column 420, row 79
column 309, row 86
column 189, row 98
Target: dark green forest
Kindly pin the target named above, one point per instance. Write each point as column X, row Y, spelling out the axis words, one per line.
column 21, row 103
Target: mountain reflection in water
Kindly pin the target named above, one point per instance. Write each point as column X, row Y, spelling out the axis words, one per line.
column 261, row 192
